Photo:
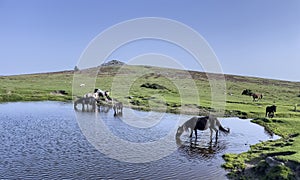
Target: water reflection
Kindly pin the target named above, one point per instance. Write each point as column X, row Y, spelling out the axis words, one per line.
column 194, row 149
column 42, row 140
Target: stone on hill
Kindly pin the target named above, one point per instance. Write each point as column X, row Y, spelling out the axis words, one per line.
column 113, row 63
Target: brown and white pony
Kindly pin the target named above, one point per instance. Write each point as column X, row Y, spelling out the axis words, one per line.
column 256, row 97
column 202, row 123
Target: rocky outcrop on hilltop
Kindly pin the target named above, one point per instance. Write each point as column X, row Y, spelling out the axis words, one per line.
column 113, row 63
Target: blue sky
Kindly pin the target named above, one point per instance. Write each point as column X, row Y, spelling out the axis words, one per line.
column 253, row 37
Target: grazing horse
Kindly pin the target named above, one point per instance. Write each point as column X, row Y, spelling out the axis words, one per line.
column 86, row 101
column 256, row 97
column 270, row 111
column 202, row 123
column 118, row 108
column 247, row 92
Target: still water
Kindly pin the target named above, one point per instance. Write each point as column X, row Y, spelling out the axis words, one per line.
column 46, row 140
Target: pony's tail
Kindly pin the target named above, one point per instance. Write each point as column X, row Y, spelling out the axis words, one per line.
column 226, row 131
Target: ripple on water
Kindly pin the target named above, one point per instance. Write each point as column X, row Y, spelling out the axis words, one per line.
column 42, row 140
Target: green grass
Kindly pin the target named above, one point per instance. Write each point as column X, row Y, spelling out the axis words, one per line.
column 35, row 87
column 184, row 92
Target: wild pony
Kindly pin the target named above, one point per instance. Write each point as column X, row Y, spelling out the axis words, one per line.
column 94, row 95
column 118, row 107
column 86, row 101
column 256, row 97
column 202, row 123
column 270, row 111
column 247, row 92
column 104, row 95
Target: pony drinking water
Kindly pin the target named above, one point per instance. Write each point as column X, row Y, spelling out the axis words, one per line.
column 86, row 101
column 118, row 108
column 202, row 123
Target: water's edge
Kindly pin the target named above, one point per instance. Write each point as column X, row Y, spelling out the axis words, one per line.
column 45, row 140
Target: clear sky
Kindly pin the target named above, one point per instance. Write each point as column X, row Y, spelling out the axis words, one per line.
column 252, row 37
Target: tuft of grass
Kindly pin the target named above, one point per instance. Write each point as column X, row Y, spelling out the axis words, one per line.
column 280, row 172
column 234, row 162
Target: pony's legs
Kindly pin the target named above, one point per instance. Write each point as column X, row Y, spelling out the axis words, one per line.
column 191, row 133
column 211, row 131
column 75, row 105
column 217, row 132
column 196, row 133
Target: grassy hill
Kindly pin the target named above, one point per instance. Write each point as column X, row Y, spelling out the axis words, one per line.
column 178, row 91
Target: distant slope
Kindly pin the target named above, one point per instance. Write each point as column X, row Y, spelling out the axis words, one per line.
column 40, row 87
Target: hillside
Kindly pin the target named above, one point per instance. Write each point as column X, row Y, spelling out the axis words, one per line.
column 178, row 91
column 179, row 96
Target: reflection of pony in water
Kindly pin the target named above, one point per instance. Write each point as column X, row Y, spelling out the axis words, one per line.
column 202, row 123
column 86, row 101
column 200, row 151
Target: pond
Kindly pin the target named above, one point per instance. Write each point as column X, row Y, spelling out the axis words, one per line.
column 46, row 140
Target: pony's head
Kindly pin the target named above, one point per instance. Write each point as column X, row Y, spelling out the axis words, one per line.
column 224, row 131
column 274, row 108
column 179, row 131
column 96, row 96
column 247, row 92
column 228, row 131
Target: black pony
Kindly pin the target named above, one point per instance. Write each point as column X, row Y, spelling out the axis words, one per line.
column 247, row 92
column 270, row 111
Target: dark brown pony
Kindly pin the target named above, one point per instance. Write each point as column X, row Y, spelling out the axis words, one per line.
column 270, row 111
column 256, row 97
